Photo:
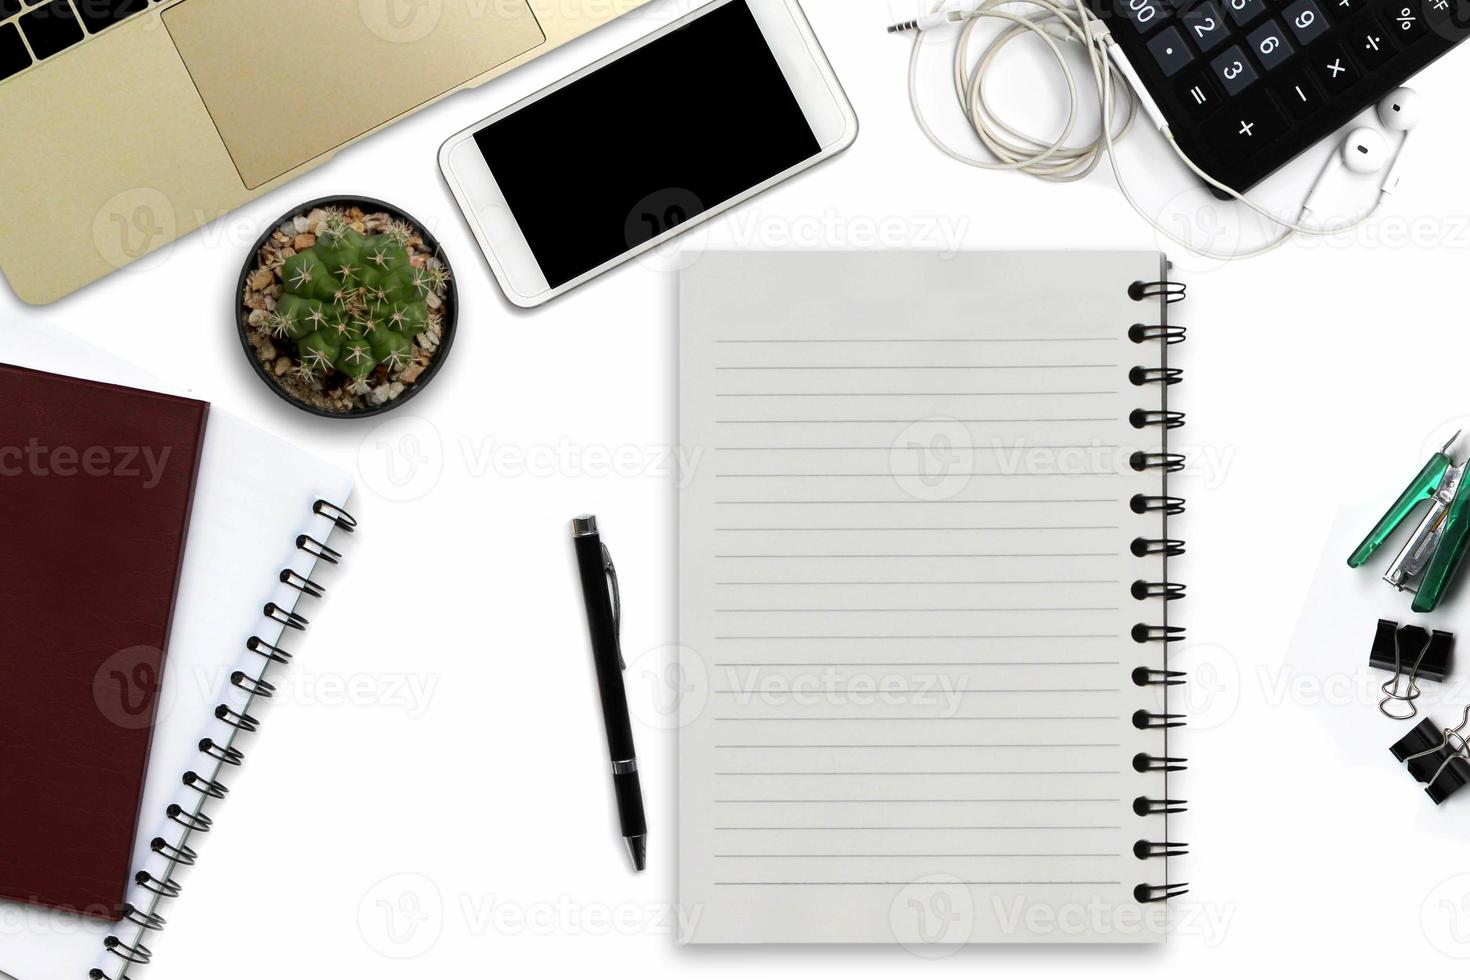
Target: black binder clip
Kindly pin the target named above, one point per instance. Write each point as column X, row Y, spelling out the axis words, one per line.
column 1410, row 652
column 1436, row 757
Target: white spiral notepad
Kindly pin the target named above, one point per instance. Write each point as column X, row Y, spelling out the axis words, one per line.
column 924, row 597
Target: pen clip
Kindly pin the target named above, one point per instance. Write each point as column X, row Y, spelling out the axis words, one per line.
column 617, row 603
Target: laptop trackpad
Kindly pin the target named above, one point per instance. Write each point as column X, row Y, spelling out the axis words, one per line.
column 289, row 80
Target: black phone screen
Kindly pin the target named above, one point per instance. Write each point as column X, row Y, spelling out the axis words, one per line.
column 647, row 142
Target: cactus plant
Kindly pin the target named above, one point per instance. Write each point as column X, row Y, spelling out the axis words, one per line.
column 347, row 308
column 352, row 302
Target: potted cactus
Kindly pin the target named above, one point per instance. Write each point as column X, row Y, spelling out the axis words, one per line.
column 347, row 307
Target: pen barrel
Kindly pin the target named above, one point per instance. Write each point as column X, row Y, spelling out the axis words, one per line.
column 605, row 652
column 630, row 803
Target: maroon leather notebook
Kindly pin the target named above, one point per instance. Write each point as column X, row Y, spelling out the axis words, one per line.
column 96, row 485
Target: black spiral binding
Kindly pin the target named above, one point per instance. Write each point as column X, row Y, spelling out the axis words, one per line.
column 177, row 852
column 1142, row 503
column 1164, row 547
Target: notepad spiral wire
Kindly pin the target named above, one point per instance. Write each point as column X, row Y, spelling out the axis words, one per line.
column 1165, row 547
column 247, row 685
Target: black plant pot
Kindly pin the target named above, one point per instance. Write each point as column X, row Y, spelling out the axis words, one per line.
column 369, row 206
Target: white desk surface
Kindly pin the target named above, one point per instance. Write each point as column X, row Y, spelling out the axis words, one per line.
column 429, row 795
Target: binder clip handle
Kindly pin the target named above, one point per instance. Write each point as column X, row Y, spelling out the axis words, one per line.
column 1417, row 637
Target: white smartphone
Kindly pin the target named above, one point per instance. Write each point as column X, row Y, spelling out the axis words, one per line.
column 670, row 131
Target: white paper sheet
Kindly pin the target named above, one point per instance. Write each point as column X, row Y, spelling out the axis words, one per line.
column 906, row 615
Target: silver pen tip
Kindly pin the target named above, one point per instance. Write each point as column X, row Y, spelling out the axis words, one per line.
column 584, row 525
column 638, row 851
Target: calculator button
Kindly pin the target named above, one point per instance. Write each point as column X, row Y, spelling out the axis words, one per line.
column 1299, row 94
column 1405, row 19
column 1170, row 51
column 1306, row 21
column 1198, row 94
column 1234, row 71
column 1270, row 45
column 1205, row 26
column 1334, row 70
column 1449, row 18
column 1245, row 11
column 1145, row 15
column 1344, row 9
column 1374, row 45
column 1246, row 127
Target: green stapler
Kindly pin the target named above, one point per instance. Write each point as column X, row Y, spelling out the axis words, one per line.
column 1429, row 560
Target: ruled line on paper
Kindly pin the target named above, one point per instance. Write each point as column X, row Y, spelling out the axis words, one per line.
column 900, row 882
column 892, row 800
column 928, row 745
column 1049, row 581
column 929, row 772
column 856, row 448
column 918, row 340
column 995, row 827
column 912, row 394
column 947, row 691
column 998, row 554
column 993, row 854
column 905, row 421
column 907, row 367
column 926, row 718
column 922, row 636
column 927, row 503
column 930, row 663
column 892, row 475
column 953, row 530
column 933, row 609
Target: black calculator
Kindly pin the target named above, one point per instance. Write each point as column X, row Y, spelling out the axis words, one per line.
column 1246, row 85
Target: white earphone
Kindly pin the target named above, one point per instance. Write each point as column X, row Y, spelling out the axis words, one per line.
column 1363, row 151
column 1399, row 112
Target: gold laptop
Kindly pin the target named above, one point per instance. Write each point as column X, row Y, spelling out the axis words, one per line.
column 128, row 123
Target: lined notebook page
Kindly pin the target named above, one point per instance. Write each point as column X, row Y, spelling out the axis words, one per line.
column 905, row 571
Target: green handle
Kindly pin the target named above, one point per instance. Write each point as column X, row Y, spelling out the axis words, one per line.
column 1453, row 538
column 1419, row 491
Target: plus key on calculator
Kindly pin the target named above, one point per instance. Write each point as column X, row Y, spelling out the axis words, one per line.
column 1247, row 85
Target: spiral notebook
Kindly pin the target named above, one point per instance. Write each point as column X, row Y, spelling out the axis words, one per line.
column 263, row 514
column 924, row 591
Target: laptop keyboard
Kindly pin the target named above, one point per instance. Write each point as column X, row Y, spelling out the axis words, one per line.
column 34, row 30
column 1246, row 85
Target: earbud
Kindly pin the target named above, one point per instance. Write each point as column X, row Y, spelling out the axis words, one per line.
column 1399, row 112
column 1363, row 151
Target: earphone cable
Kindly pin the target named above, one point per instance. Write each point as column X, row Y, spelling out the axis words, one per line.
column 1055, row 160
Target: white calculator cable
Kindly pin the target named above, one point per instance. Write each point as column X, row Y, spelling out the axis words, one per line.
column 1056, row 159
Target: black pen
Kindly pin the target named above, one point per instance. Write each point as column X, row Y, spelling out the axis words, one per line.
column 604, row 622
